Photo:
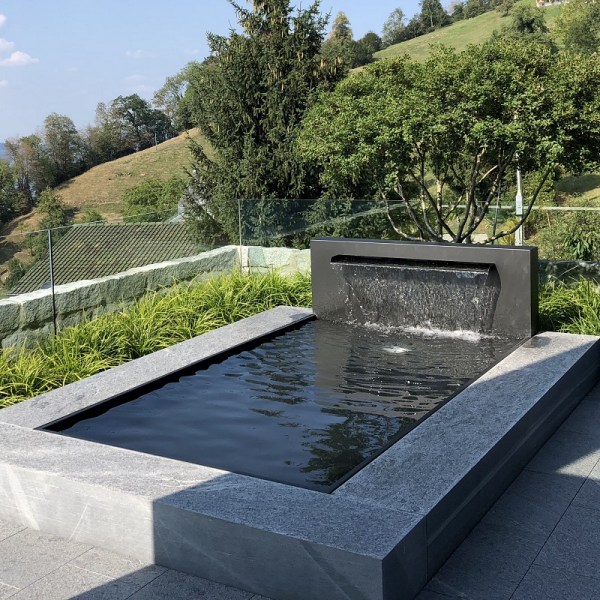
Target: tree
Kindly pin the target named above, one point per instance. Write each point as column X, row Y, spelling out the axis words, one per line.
column 32, row 168
column 457, row 11
column 474, row 8
column 9, row 197
column 341, row 29
column 433, row 16
column 63, row 146
column 128, row 124
column 527, row 20
column 249, row 103
column 339, row 48
column 171, row 98
column 394, row 28
column 462, row 120
column 362, row 50
column 53, row 210
column 140, row 125
column 579, row 26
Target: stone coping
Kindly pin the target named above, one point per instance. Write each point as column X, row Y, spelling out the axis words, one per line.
column 379, row 536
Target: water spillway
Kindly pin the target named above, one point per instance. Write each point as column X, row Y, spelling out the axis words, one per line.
column 416, row 294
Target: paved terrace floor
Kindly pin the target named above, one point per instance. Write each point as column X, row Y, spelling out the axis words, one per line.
column 540, row 541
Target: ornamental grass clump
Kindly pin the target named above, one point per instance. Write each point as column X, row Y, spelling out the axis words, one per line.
column 156, row 321
column 570, row 308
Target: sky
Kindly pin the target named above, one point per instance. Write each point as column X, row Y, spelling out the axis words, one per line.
column 66, row 56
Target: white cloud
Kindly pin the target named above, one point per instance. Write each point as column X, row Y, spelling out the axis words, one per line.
column 2, row 20
column 193, row 52
column 18, row 59
column 138, row 54
column 3, row 83
column 5, row 45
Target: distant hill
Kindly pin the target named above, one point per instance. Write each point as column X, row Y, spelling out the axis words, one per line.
column 459, row 35
column 102, row 187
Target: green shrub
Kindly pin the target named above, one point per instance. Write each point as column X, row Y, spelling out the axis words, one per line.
column 570, row 308
column 156, row 321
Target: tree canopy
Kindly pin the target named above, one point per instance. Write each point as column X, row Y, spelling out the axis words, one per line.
column 248, row 102
column 444, row 136
column 579, row 26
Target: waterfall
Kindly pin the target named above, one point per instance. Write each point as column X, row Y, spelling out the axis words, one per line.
column 431, row 295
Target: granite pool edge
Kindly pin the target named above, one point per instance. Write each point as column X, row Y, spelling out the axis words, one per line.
column 374, row 538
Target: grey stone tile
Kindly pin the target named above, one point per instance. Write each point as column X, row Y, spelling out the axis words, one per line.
column 589, row 494
column 594, row 394
column 542, row 583
column 534, row 504
column 429, row 595
column 108, row 564
column 6, row 591
column 69, row 582
column 29, row 555
column 573, row 545
column 173, row 584
column 7, row 529
column 488, row 565
column 585, row 419
column 567, row 453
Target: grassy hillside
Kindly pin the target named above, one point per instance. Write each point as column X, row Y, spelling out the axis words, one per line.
column 102, row 187
column 460, row 35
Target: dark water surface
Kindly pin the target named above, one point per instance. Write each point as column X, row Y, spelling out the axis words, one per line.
column 304, row 408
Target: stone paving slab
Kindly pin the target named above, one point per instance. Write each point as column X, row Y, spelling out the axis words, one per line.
column 542, row 583
column 574, row 545
column 28, row 556
column 568, row 453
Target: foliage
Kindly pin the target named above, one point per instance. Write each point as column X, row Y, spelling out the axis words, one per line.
column 55, row 216
column 31, row 167
column 52, row 209
column 433, row 16
column 63, row 148
column 444, row 136
column 16, row 270
column 474, row 8
column 90, row 215
column 570, row 235
column 363, row 49
column 249, row 102
column 570, row 308
column 393, row 28
column 528, row 20
column 172, row 98
column 9, row 197
column 156, row 321
column 579, row 26
column 153, row 200
column 128, row 124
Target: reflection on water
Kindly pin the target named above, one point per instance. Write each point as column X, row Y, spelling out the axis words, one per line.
column 304, row 408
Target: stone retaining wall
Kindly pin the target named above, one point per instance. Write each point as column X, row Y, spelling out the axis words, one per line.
column 30, row 315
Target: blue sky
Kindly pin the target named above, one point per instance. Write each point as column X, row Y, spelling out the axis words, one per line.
column 65, row 56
